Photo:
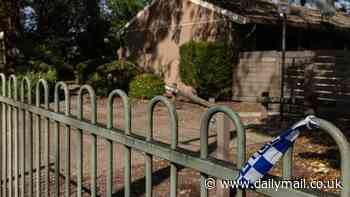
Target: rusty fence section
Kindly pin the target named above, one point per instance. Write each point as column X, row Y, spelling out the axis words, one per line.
column 23, row 158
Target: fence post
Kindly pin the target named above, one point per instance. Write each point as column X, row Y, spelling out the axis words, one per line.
column 223, row 142
column 27, row 131
column 174, row 142
column 91, row 92
column 241, row 141
column 45, row 86
column 344, row 149
column 127, row 150
column 67, row 138
column 12, row 150
column 3, row 137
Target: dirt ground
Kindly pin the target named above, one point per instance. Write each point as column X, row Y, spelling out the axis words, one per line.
column 189, row 117
column 315, row 155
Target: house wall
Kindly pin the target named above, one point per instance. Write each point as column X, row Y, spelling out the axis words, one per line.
column 312, row 78
column 154, row 39
column 256, row 73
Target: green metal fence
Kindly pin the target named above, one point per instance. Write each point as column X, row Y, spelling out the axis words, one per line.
column 17, row 168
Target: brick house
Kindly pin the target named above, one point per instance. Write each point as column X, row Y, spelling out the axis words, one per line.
column 153, row 37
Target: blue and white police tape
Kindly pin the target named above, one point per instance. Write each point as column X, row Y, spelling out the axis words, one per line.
column 263, row 160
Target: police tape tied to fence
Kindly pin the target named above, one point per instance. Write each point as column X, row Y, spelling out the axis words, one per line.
column 264, row 159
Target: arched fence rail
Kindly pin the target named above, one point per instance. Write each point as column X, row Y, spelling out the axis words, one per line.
column 23, row 160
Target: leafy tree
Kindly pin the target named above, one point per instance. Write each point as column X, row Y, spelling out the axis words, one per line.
column 9, row 22
column 59, row 26
column 2, row 9
column 67, row 32
column 121, row 11
column 77, row 30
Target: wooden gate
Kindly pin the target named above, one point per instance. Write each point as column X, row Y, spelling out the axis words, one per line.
column 321, row 84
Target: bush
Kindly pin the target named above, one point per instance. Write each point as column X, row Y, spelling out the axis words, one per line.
column 83, row 69
column 63, row 70
column 207, row 67
column 146, row 86
column 113, row 75
column 80, row 72
column 50, row 76
column 39, row 66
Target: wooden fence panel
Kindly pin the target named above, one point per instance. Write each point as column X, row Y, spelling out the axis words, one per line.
column 312, row 78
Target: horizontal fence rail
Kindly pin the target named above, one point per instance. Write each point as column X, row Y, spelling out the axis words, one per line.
column 22, row 161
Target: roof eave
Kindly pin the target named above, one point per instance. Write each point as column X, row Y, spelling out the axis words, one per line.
column 229, row 14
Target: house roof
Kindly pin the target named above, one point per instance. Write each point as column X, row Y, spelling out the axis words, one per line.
column 227, row 13
column 266, row 12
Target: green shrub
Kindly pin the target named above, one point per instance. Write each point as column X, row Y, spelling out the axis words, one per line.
column 207, row 67
column 146, row 86
column 50, row 76
column 113, row 75
column 80, row 72
column 63, row 70
column 85, row 69
column 39, row 66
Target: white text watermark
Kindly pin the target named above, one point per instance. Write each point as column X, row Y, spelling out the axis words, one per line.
column 211, row 183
